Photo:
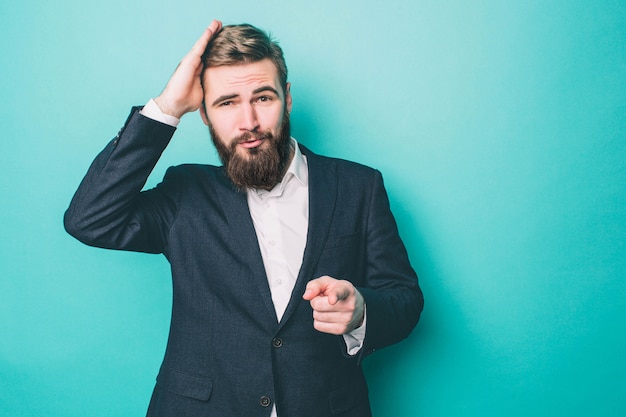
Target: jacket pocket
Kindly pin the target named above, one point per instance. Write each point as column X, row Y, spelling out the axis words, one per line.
column 188, row 385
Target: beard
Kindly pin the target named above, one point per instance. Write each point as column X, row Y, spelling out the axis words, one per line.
column 262, row 167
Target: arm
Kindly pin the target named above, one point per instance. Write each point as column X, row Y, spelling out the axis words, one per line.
column 390, row 290
column 108, row 209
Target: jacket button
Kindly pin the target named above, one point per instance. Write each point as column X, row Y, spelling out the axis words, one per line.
column 277, row 342
column 265, row 401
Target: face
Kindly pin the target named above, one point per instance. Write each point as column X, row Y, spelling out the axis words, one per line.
column 247, row 112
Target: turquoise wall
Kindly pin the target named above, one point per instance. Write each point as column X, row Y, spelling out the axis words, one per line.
column 500, row 128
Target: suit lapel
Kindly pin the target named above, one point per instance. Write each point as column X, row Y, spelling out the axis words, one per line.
column 322, row 199
column 235, row 206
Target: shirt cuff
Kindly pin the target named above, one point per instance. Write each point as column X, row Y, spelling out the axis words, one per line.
column 354, row 340
column 152, row 111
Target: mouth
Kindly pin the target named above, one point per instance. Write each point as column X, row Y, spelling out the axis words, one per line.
column 251, row 143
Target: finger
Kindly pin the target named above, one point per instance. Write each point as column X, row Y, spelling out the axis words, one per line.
column 336, row 317
column 339, row 292
column 338, row 321
column 316, row 287
column 331, row 328
column 313, row 289
column 200, row 46
column 322, row 304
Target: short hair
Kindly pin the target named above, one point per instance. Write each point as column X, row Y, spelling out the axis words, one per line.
column 243, row 44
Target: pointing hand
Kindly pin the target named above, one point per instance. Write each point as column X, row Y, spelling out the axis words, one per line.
column 338, row 308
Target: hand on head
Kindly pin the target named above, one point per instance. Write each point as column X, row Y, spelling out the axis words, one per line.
column 338, row 308
column 183, row 92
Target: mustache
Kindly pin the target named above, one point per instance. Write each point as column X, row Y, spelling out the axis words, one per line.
column 252, row 136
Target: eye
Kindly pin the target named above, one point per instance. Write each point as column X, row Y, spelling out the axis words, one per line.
column 226, row 103
column 264, row 99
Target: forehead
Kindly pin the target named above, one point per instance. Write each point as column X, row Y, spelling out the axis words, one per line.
column 240, row 79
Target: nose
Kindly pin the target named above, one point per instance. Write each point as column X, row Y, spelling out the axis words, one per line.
column 248, row 118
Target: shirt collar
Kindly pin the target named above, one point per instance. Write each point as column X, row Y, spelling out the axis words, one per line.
column 298, row 166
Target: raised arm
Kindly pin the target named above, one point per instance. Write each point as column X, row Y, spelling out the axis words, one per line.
column 109, row 210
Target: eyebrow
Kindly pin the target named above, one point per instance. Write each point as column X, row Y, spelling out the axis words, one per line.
column 257, row 91
column 266, row 88
column 224, row 98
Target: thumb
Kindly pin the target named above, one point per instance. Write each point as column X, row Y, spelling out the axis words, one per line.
column 338, row 292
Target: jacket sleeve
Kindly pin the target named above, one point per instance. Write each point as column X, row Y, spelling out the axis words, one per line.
column 392, row 294
column 109, row 210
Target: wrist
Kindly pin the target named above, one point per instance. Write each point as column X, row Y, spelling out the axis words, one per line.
column 152, row 111
column 167, row 108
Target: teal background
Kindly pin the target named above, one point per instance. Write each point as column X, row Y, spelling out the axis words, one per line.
column 500, row 128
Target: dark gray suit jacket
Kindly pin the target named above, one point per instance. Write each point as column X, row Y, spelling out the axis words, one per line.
column 227, row 354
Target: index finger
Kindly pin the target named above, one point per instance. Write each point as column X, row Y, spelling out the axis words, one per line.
column 317, row 287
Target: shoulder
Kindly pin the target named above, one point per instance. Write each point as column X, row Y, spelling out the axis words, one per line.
column 195, row 186
column 344, row 164
column 194, row 170
column 346, row 169
column 190, row 175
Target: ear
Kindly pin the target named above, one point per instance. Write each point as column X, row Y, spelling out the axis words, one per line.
column 288, row 98
column 202, row 110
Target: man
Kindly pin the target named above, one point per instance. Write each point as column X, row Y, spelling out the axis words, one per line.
column 287, row 266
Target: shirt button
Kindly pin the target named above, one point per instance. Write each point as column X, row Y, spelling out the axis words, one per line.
column 265, row 401
column 277, row 342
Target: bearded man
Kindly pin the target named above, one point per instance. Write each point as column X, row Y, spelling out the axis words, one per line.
column 287, row 266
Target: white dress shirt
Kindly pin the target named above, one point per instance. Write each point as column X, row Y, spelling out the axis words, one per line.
column 281, row 218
